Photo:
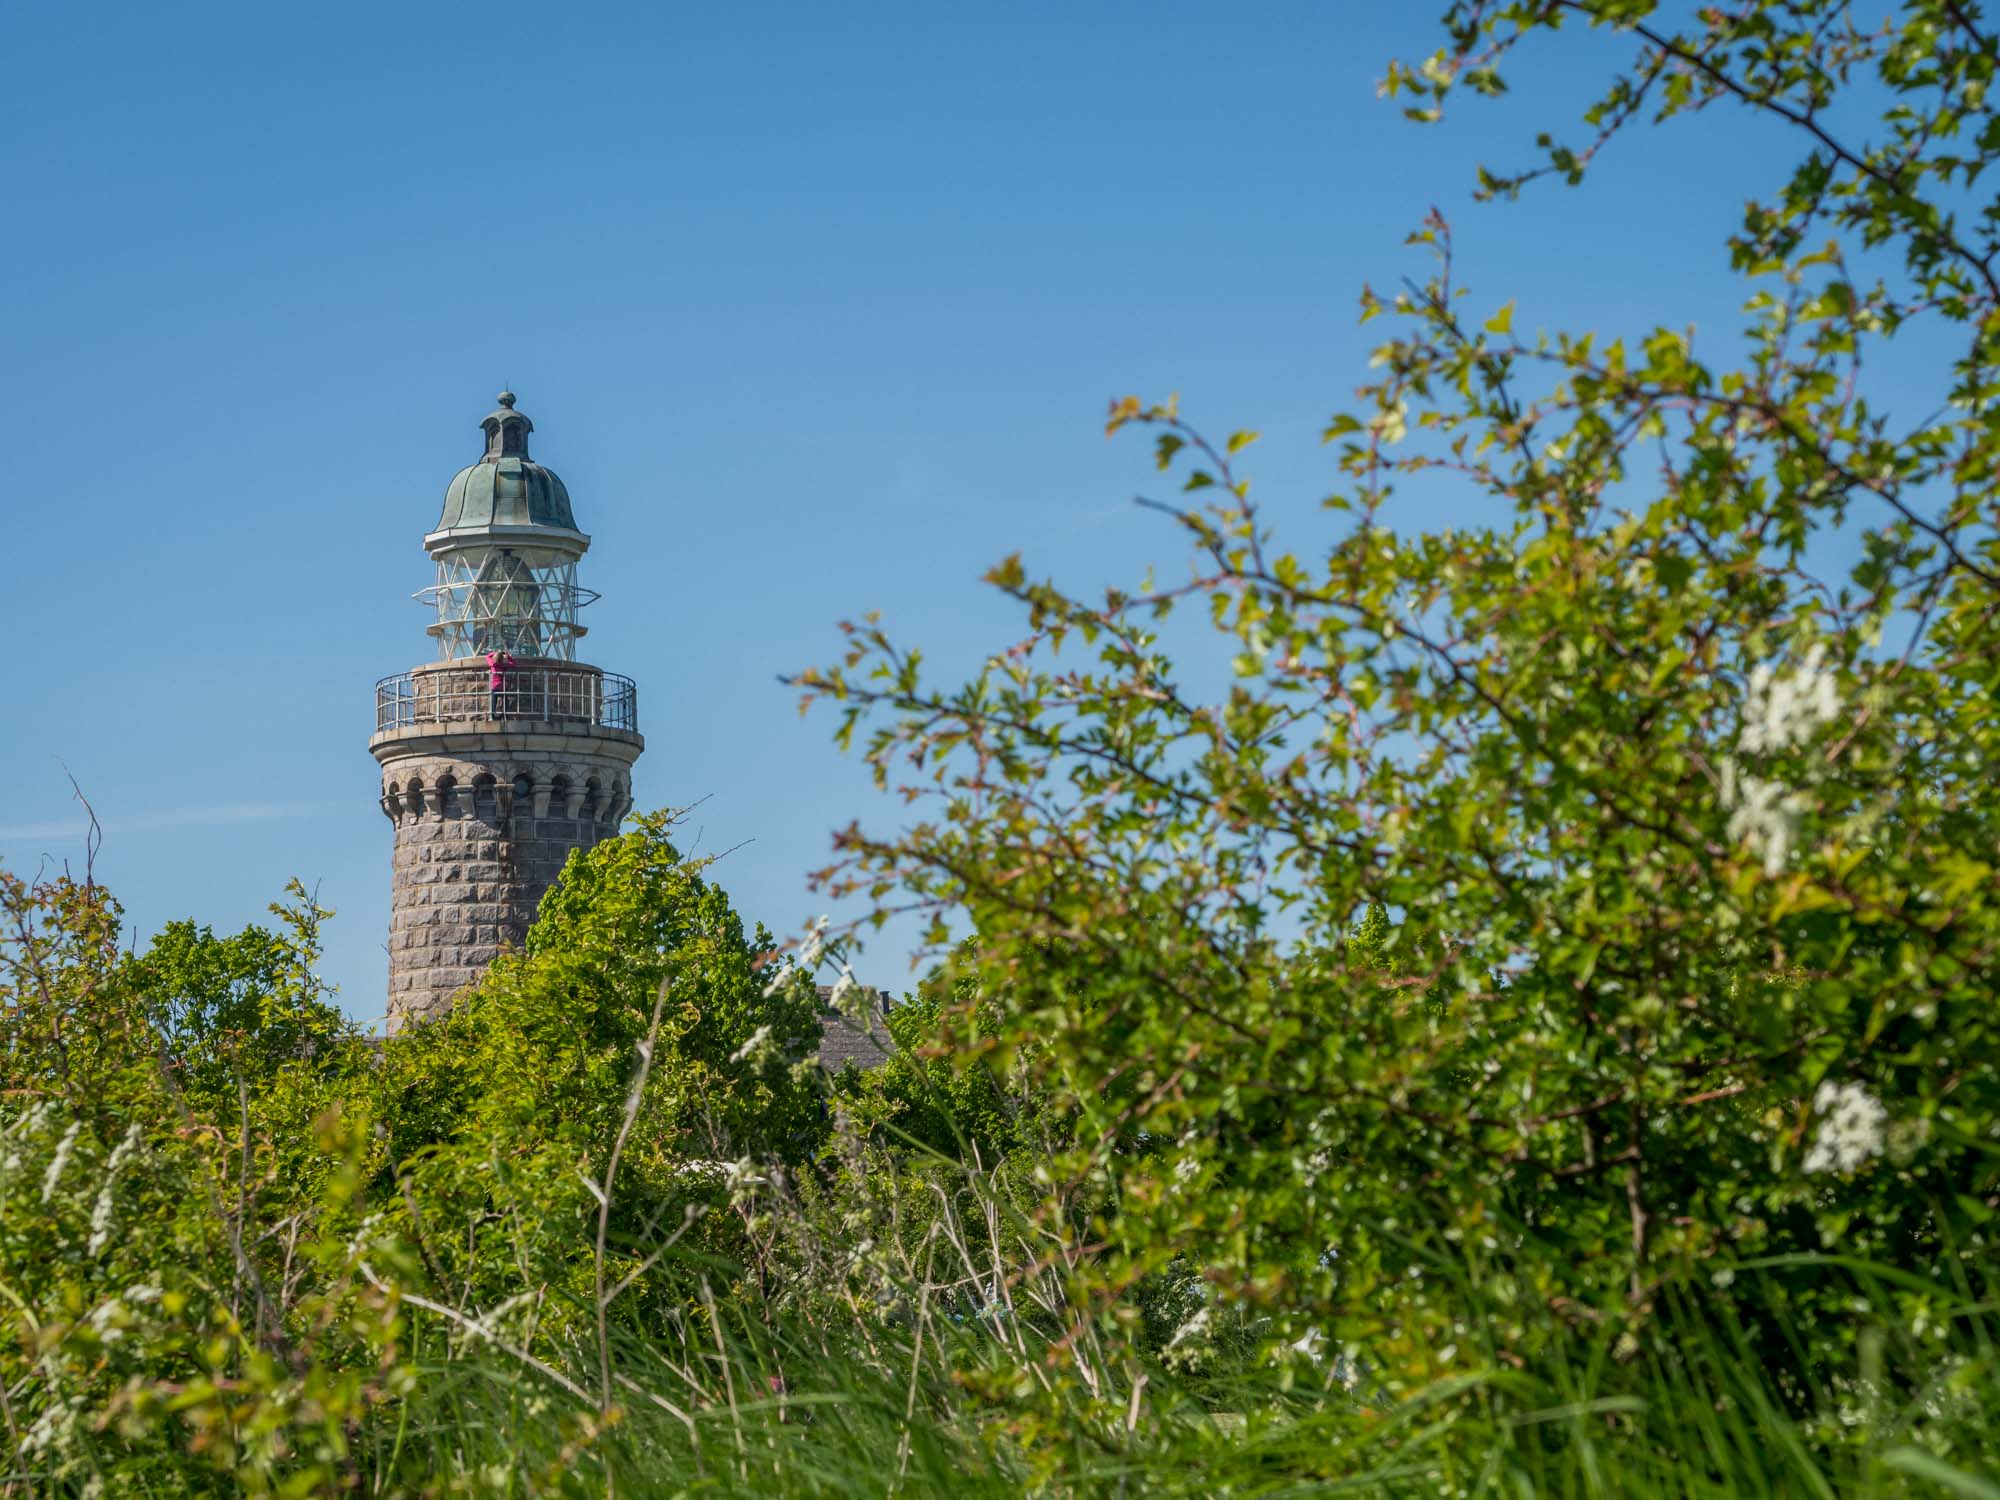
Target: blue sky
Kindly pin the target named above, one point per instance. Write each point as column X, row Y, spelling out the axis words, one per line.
column 816, row 310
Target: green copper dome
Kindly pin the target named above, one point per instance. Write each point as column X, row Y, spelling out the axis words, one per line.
column 506, row 488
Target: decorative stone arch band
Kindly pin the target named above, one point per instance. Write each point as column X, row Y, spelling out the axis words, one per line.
column 499, row 794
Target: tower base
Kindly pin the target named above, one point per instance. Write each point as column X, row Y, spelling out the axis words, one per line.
column 486, row 815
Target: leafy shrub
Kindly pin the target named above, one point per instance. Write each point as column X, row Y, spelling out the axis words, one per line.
column 1674, row 773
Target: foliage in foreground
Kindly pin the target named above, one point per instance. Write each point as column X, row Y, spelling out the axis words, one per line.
column 1528, row 1030
column 260, row 1285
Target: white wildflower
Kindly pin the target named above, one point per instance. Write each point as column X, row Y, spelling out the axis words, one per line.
column 100, row 1219
column 60, row 1160
column 781, row 973
column 1311, row 1345
column 1185, row 1168
column 109, row 1320
column 1192, row 1329
column 22, row 1127
column 813, row 949
column 124, row 1151
column 849, row 998
column 741, row 1178
column 50, row 1430
column 757, row 1051
column 100, row 1212
column 1850, row 1130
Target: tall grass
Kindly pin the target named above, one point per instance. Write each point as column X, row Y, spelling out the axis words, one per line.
column 925, row 1403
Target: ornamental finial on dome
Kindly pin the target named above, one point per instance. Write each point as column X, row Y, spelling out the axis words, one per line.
column 507, row 430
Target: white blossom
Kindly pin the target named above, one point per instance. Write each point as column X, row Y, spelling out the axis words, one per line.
column 781, row 973
column 849, row 998
column 1764, row 816
column 50, row 1430
column 1783, row 710
column 1780, row 710
column 1192, row 1329
column 108, row 1320
column 60, row 1160
column 1850, row 1130
column 741, row 1179
column 1390, row 424
column 100, row 1213
column 100, row 1219
column 813, row 949
column 757, row 1051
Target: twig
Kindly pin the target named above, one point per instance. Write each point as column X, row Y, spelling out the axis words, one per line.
column 92, row 840
column 632, row 1102
column 479, row 1330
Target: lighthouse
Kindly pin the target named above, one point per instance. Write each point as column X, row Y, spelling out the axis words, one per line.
column 504, row 753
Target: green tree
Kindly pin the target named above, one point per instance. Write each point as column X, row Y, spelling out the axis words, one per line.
column 639, row 1012
column 946, row 1086
column 243, row 1006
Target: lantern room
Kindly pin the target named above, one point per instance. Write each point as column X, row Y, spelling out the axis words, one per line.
column 506, row 548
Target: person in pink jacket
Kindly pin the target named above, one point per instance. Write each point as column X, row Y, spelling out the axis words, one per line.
column 498, row 664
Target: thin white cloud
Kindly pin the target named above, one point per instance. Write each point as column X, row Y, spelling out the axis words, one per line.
column 164, row 819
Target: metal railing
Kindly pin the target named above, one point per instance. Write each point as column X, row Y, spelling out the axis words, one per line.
column 547, row 695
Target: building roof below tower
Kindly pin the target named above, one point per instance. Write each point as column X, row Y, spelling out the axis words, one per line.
column 843, row 1042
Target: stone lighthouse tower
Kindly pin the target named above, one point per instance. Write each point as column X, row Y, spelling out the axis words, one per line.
column 492, row 773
